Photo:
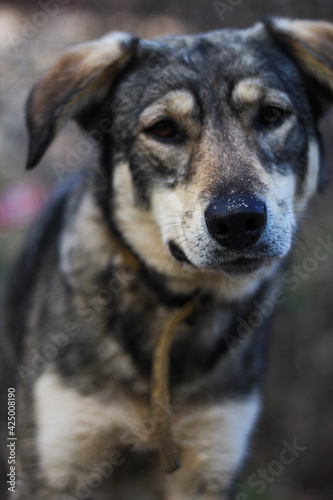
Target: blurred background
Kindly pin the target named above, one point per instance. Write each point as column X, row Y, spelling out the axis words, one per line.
column 298, row 402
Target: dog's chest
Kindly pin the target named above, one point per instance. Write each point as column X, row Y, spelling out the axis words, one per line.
column 89, row 433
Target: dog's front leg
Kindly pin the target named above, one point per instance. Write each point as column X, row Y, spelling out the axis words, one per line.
column 211, row 440
column 198, row 479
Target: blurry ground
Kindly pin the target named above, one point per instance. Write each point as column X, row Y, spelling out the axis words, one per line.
column 298, row 403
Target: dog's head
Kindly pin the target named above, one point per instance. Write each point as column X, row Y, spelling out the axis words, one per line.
column 213, row 150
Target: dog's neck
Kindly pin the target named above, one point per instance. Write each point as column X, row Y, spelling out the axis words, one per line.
column 177, row 290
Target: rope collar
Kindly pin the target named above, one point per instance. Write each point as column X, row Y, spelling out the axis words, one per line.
column 160, row 395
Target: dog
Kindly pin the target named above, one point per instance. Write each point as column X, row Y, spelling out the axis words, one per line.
column 136, row 377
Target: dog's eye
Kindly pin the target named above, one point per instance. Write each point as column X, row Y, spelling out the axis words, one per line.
column 164, row 129
column 270, row 116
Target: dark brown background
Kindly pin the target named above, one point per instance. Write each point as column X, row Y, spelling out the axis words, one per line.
column 298, row 402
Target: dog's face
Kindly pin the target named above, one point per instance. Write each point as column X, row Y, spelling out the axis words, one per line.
column 214, row 146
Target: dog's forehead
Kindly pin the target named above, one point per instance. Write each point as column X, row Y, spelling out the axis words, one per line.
column 212, row 52
column 209, row 64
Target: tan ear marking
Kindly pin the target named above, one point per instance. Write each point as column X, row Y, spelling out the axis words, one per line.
column 81, row 76
column 311, row 44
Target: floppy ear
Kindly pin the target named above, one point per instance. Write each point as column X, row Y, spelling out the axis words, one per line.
column 81, row 78
column 310, row 43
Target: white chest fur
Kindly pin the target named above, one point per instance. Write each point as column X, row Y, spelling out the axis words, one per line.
column 77, row 433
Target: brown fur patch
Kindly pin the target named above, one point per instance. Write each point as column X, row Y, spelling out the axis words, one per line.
column 79, row 77
column 80, row 72
column 311, row 42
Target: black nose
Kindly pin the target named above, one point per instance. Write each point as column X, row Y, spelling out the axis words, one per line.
column 237, row 221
